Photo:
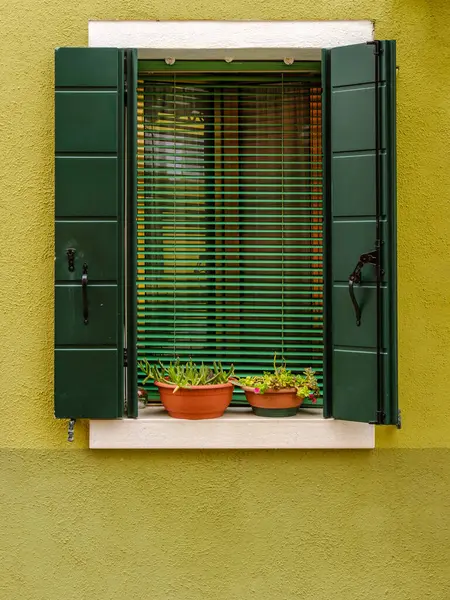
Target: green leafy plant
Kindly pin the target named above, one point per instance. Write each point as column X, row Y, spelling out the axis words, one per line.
column 282, row 378
column 185, row 375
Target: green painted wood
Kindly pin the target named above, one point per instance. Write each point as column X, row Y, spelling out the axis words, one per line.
column 95, row 242
column 69, row 326
column 86, row 186
column 352, row 388
column 354, row 385
column 351, row 65
column 87, row 382
column 353, row 105
column 86, row 119
column 132, row 378
column 88, row 67
column 350, row 175
column 89, row 190
column 235, row 67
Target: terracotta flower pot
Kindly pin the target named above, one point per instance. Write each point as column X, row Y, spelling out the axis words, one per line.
column 273, row 403
column 196, row 402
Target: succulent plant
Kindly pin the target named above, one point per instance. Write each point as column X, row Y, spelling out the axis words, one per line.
column 282, row 378
column 185, row 375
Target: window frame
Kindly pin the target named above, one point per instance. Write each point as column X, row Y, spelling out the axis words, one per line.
column 309, row 73
column 238, row 429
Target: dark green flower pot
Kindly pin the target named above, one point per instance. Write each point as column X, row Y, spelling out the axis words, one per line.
column 275, row 412
column 273, row 403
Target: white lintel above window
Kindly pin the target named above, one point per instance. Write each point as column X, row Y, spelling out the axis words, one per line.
column 213, row 40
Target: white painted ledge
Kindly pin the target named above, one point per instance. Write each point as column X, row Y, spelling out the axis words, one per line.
column 238, row 428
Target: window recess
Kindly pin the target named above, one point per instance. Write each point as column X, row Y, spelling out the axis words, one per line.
column 229, row 215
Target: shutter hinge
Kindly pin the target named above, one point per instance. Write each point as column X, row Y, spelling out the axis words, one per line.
column 70, row 430
column 381, row 416
column 377, row 49
column 125, row 357
column 125, row 78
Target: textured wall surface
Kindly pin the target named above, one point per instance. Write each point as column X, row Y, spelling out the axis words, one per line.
column 281, row 525
column 223, row 525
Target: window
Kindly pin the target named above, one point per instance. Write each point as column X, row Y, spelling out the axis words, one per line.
column 229, row 215
column 96, row 275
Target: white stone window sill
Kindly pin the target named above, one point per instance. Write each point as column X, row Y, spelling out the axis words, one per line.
column 238, row 428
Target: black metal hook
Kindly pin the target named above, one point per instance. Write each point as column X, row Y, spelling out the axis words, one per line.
column 370, row 258
column 84, row 283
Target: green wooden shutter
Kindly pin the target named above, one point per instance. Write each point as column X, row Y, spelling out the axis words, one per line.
column 230, row 218
column 89, row 190
column 360, row 205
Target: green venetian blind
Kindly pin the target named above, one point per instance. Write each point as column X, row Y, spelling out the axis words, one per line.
column 230, row 219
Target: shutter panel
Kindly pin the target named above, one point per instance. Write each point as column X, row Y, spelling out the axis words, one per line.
column 89, row 198
column 360, row 200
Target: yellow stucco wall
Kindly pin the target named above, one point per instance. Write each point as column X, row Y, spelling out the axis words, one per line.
column 270, row 525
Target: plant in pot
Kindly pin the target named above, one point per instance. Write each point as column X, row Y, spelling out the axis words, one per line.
column 278, row 393
column 188, row 391
column 142, row 397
